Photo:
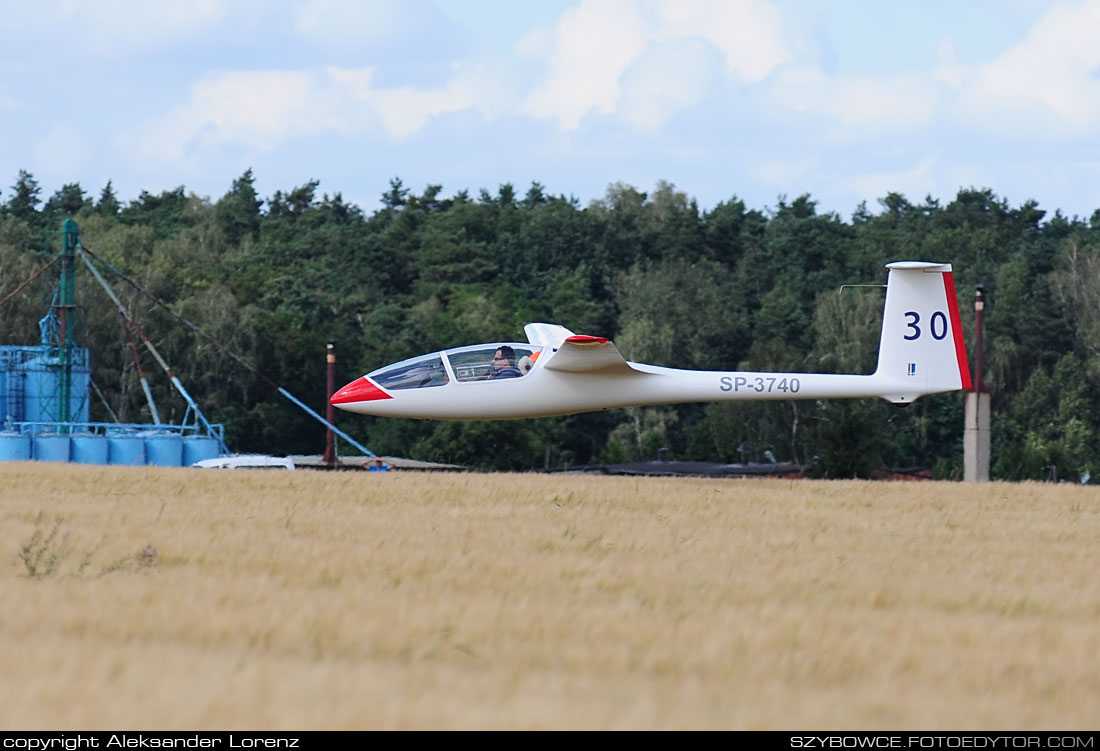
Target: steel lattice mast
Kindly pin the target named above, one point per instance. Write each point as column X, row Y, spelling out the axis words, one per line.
column 66, row 315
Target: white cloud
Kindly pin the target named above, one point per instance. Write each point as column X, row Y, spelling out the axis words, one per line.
column 914, row 183
column 1046, row 87
column 264, row 107
column 749, row 33
column 261, row 110
column 668, row 78
column 405, row 110
column 257, row 109
column 640, row 67
column 1048, row 83
column 595, row 44
column 863, row 103
column 598, row 42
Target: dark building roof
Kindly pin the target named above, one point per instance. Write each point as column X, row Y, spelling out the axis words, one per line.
column 692, row 469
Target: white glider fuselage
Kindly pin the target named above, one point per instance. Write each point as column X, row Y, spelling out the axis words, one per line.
column 921, row 351
column 542, row 393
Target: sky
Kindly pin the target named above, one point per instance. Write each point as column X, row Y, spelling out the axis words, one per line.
column 844, row 100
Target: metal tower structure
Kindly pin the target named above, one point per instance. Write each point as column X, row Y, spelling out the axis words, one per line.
column 65, row 308
column 44, row 389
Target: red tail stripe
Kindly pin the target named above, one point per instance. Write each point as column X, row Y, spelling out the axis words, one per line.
column 956, row 328
column 582, row 339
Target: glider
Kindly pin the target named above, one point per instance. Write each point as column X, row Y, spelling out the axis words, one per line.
column 557, row 372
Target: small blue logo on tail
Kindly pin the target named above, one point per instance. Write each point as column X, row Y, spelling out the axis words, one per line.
column 912, row 369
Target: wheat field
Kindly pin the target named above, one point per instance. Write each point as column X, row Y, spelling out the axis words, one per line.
column 165, row 599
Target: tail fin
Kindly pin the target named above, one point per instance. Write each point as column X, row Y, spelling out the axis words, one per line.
column 922, row 349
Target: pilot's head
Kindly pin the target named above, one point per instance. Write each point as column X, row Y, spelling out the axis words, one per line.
column 505, row 357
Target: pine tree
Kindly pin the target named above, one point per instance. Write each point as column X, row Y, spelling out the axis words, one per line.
column 67, row 202
column 108, row 202
column 238, row 212
column 23, row 205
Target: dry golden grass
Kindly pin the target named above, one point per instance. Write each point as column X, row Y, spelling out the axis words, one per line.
column 303, row 600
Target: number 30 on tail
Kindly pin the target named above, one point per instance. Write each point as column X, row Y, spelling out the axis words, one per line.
column 556, row 372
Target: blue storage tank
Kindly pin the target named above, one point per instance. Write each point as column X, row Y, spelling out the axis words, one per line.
column 126, row 449
column 81, row 389
column 51, row 447
column 164, row 449
column 15, row 447
column 14, row 406
column 89, row 448
column 199, row 447
column 31, row 383
column 40, row 392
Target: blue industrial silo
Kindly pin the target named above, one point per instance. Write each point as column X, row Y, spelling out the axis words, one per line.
column 44, row 395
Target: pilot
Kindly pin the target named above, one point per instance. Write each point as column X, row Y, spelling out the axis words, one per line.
column 504, row 364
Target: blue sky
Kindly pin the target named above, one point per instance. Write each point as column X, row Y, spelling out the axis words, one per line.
column 844, row 100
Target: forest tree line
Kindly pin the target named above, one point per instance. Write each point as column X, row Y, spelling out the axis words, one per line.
column 275, row 279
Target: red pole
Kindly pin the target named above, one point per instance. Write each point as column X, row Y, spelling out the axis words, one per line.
column 330, row 413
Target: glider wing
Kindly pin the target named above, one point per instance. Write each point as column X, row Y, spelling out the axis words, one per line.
column 593, row 355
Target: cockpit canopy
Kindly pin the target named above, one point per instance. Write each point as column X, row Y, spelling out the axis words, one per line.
column 479, row 362
column 414, row 373
column 486, row 362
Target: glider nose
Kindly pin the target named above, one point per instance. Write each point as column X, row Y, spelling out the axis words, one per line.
column 360, row 390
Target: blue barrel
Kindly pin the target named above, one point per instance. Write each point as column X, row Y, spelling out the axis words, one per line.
column 15, row 447
column 199, row 447
column 51, row 447
column 126, row 449
column 89, row 449
column 164, row 450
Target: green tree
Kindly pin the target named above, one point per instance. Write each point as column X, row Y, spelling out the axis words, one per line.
column 23, row 204
column 394, row 198
column 509, row 445
column 237, row 213
column 729, row 230
column 69, row 201
column 108, row 204
column 681, row 314
column 845, row 438
column 166, row 214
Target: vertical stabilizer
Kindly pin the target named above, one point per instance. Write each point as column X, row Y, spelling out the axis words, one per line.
column 921, row 350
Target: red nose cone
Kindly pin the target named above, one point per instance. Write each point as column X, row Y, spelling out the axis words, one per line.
column 361, row 390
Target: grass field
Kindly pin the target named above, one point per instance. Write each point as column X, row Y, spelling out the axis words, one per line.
column 189, row 599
